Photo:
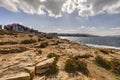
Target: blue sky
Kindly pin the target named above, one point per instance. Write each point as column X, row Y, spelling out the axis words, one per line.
column 99, row 17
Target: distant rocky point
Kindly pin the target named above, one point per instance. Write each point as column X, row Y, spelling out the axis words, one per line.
column 72, row 34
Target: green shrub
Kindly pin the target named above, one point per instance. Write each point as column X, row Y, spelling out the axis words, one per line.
column 28, row 41
column 10, row 42
column 73, row 65
column 53, row 55
column 103, row 62
column 82, row 67
column 43, row 45
column 17, row 50
column 83, row 56
column 104, row 51
column 113, row 65
column 53, row 69
column 41, row 39
column 2, row 32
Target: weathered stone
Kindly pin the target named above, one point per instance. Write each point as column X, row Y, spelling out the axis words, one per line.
column 18, row 76
column 43, row 66
column 31, row 71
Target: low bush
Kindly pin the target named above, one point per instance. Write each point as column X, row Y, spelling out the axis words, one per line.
column 10, row 42
column 73, row 65
column 41, row 39
column 104, row 51
column 112, row 65
column 53, row 55
column 28, row 41
column 83, row 56
column 43, row 45
column 16, row 50
column 82, row 67
column 30, row 35
column 103, row 62
column 3, row 32
column 53, row 69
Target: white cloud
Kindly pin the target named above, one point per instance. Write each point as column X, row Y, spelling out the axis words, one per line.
column 9, row 5
column 55, row 8
column 115, row 28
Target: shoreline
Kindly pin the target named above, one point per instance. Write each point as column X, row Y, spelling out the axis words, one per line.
column 94, row 45
column 103, row 46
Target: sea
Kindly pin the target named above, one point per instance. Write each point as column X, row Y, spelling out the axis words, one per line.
column 102, row 42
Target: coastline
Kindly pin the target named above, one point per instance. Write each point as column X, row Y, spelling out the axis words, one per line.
column 30, row 55
column 102, row 46
column 92, row 45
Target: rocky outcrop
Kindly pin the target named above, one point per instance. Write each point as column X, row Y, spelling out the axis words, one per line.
column 43, row 66
column 17, row 76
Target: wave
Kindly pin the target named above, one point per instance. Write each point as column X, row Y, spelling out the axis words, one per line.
column 103, row 46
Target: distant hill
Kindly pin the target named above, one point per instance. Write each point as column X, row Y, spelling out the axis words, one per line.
column 72, row 34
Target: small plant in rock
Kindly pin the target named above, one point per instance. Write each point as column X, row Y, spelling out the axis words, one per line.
column 53, row 69
column 82, row 67
column 28, row 41
column 39, row 51
column 73, row 65
column 83, row 56
column 103, row 62
column 30, row 35
column 53, row 55
column 104, row 51
column 16, row 50
column 43, row 45
column 10, row 42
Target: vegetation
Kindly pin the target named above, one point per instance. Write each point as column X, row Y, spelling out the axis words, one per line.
column 10, row 42
column 112, row 65
column 104, row 51
column 43, row 45
column 28, row 41
column 73, row 65
column 40, row 39
column 83, row 56
column 103, row 62
column 30, row 35
column 53, row 69
column 40, row 51
column 3, row 32
column 53, row 55
column 17, row 50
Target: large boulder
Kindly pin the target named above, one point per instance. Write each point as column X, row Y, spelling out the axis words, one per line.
column 43, row 66
column 17, row 76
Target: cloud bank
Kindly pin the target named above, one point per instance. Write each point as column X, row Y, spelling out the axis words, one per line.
column 56, row 8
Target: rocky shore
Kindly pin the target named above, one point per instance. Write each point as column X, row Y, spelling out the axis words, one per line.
column 39, row 57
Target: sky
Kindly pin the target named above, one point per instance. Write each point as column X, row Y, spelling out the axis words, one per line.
column 98, row 17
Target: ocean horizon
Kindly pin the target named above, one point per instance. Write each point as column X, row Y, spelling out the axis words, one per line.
column 100, row 42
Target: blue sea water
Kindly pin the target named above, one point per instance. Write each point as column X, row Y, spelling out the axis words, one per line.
column 106, row 42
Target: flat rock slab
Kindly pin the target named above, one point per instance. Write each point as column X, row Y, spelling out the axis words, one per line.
column 43, row 66
column 17, row 76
